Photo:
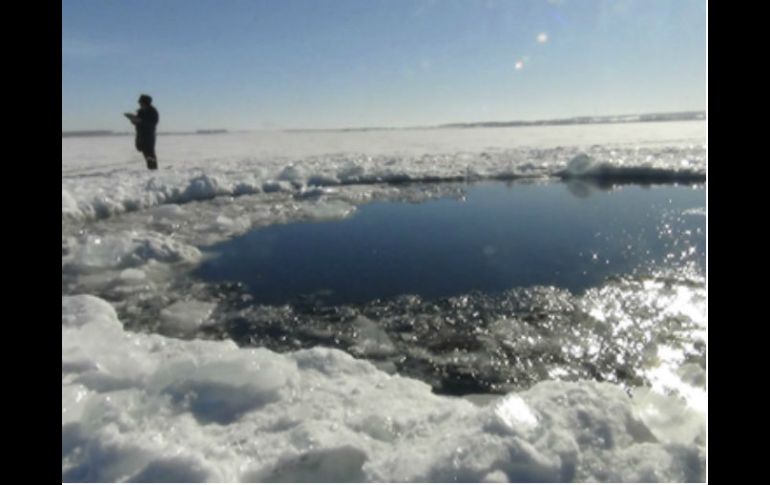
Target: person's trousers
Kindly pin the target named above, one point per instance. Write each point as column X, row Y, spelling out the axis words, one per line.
column 146, row 145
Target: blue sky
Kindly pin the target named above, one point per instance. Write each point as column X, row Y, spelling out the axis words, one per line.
column 260, row 64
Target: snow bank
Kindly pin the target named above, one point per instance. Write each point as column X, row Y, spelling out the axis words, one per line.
column 145, row 407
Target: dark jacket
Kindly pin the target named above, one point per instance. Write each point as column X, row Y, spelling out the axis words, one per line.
column 148, row 120
column 145, row 126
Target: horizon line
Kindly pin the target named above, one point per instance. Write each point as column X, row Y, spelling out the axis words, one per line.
column 585, row 119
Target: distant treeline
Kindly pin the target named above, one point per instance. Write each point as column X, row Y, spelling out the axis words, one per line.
column 89, row 133
column 580, row 120
column 65, row 134
column 680, row 116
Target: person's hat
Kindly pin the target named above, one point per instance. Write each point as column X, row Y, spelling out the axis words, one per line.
column 145, row 98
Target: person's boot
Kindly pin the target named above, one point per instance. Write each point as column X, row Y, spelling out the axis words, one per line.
column 152, row 164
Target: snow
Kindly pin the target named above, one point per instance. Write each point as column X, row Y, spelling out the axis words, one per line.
column 149, row 407
column 203, row 167
column 129, row 249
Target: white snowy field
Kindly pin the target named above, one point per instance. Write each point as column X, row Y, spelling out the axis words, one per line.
column 141, row 406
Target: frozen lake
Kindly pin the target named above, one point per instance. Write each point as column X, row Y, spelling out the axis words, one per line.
column 498, row 304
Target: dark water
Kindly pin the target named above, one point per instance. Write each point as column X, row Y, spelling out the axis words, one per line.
column 498, row 237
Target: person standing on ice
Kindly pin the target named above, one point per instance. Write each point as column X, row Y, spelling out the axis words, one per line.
column 145, row 120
